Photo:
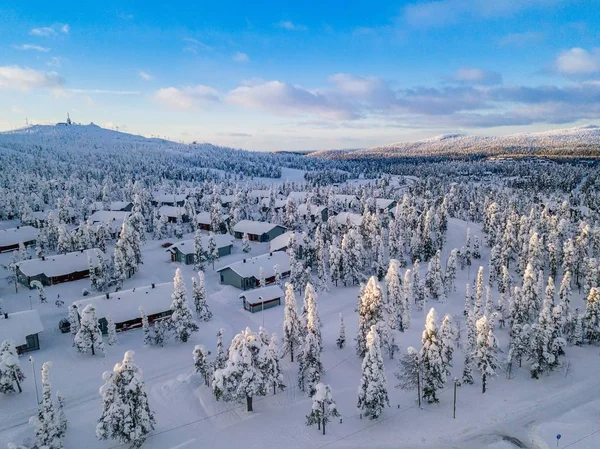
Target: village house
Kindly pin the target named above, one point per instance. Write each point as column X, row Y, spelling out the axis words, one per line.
column 184, row 251
column 346, row 201
column 204, row 222
column 304, row 210
column 385, row 205
column 226, row 200
column 40, row 217
column 112, row 220
column 124, row 306
column 298, row 197
column 261, row 299
column 50, row 270
column 344, row 218
column 245, row 274
column 168, row 199
column 258, row 231
column 279, row 204
column 115, row 206
column 174, row 213
column 10, row 238
column 23, row 329
column 282, row 242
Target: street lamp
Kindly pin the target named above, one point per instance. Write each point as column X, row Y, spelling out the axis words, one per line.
column 37, row 395
column 262, row 309
column 456, row 384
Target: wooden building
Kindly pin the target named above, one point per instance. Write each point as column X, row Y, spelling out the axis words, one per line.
column 184, row 251
column 10, row 238
column 245, row 274
column 261, row 299
column 23, row 329
column 258, row 231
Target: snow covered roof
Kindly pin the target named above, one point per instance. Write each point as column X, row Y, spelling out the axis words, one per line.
column 279, row 203
column 298, row 196
column 314, row 209
column 187, row 246
column 42, row 215
column 259, row 193
column 109, row 216
column 162, row 197
column 114, row 206
column 19, row 325
column 13, row 236
column 125, row 304
column 383, row 203
column 355, row 219
column 251, row 267
column 347, row 199
column 259, row 295
column 171, row 211
column 282, row 240
column 204, row 218
column 61, row 264
column 226, row 199
column 254, row 227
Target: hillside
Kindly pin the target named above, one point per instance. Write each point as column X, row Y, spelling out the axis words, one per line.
column 573, row 142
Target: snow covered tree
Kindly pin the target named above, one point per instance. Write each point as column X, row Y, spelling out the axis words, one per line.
column 336, row 271
column 199, row 253
column 341, row 340
column 407, row 299
column 418, row 287
column 212, row 252
column 73, row 321
column 221, row 357
column 271, row 365
column 409, row 371
column 370, row 313
column 126, row 415
column 394, row 301
column 181, row 321
column 148, row 339
column 372, row 391
column 323, row 407
column 591, row 318
column 470, row 347
column 485, row 352
column 564, row 300
column 111, row 330
column 246, row 244
column 41, row 291
column 448, row 339
column 476, row 249
column 434, row 372
column 201, row 363
column 292, row 325
column 529, row 294
column 10, row 369
column 433, row 279
column 309, row 363
column 89, row 336
column 242, row 378
column 277, row 272
column 261, row 278
column 310, row 314
column 49, row 428
column 199, row 295
column 450, row 276
column 479, row 287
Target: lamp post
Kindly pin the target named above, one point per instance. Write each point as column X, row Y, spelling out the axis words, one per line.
column 456, row 384
column 30, row 307
column 37, row 395
column 262, row 310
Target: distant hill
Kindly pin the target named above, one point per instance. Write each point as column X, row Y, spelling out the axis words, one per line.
column 565, row 143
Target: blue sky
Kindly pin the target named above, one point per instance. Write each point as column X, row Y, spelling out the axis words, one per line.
column 302, row 75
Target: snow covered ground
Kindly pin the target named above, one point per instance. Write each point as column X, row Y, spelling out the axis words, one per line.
column 519, row 412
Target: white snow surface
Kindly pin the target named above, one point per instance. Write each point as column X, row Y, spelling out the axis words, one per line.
column 114, row 205
column 281, row 241
column 125, row 305
column 19, row 325
column 60, row 264
column 109, row 216
column 355, row 219
column 171, row 211
column 259, row 295
column 253, row 227
column 13, row 236
column 252, row 265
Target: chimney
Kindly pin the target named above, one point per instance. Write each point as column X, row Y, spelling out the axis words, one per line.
column 107, row 296
column 244, row 260
column 6, row 316
column 153, row 285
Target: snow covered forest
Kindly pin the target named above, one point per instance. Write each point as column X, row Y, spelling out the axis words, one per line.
column 439, row 304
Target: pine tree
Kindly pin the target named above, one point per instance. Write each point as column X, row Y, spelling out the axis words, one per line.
column 434, row 376
column 341, row 341
column 485, row 352
column 212, row 252
column 450, row 276
column 181, row 321
column 564, row 297
column 409, row 371
column 323, row 407
column 292, row 325
column 201, row 363
column 369, row 314
column 126, row 415
column 418, row 288
column 448, row 339
column 309, row 363
column 89, row 336
column 49, row 427
column 199, row 254
column 407, row 300
column 591, row 318
column 394, row 303
column 199, row 295
column 470, row 346
column 271, row 365
column 242, row 378
column 479, row 287
column 10, row 369
column 73, row 321
column 112, row 331
column 221, row 357
column 577, row 329
column 372, row 391
column 310, row 314
column 246, row 244
column 148, row 340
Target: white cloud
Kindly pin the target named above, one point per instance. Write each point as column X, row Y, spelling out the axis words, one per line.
column 55, row 61
column 194, row 45
column 185, row 98
column 65, row 28
column 24, row 79
column 471, row 75
column 27, row 47
column 240, row 57
column 521, row 39
column 145, row 75
column 43, row 31
column 578, row 61
column 289, row 25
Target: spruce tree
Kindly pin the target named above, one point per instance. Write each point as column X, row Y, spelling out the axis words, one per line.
column 10, row 369
column 485, row 352
column 309, row 363
column 448, row 340
column 418, row 287
column 199, row 295
column 310, row 314
column 182, row 321
column 323, row 407
column 292, row 325
column 369, row 313
column 50, row 426
column 591, row 318
column 434, row 376
column 479, row 287
column 199, row 253
column 201, row 363
column 450, row 276
column 73, row 321
column 111, row 331
column 221, row 357
column 341, row 340
column 89, row 336
column 372, row 391
column 470, row 346
column 271, row 365
column 407, row 300
column 126, row 415
column 246, row 243
column 393, row 298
